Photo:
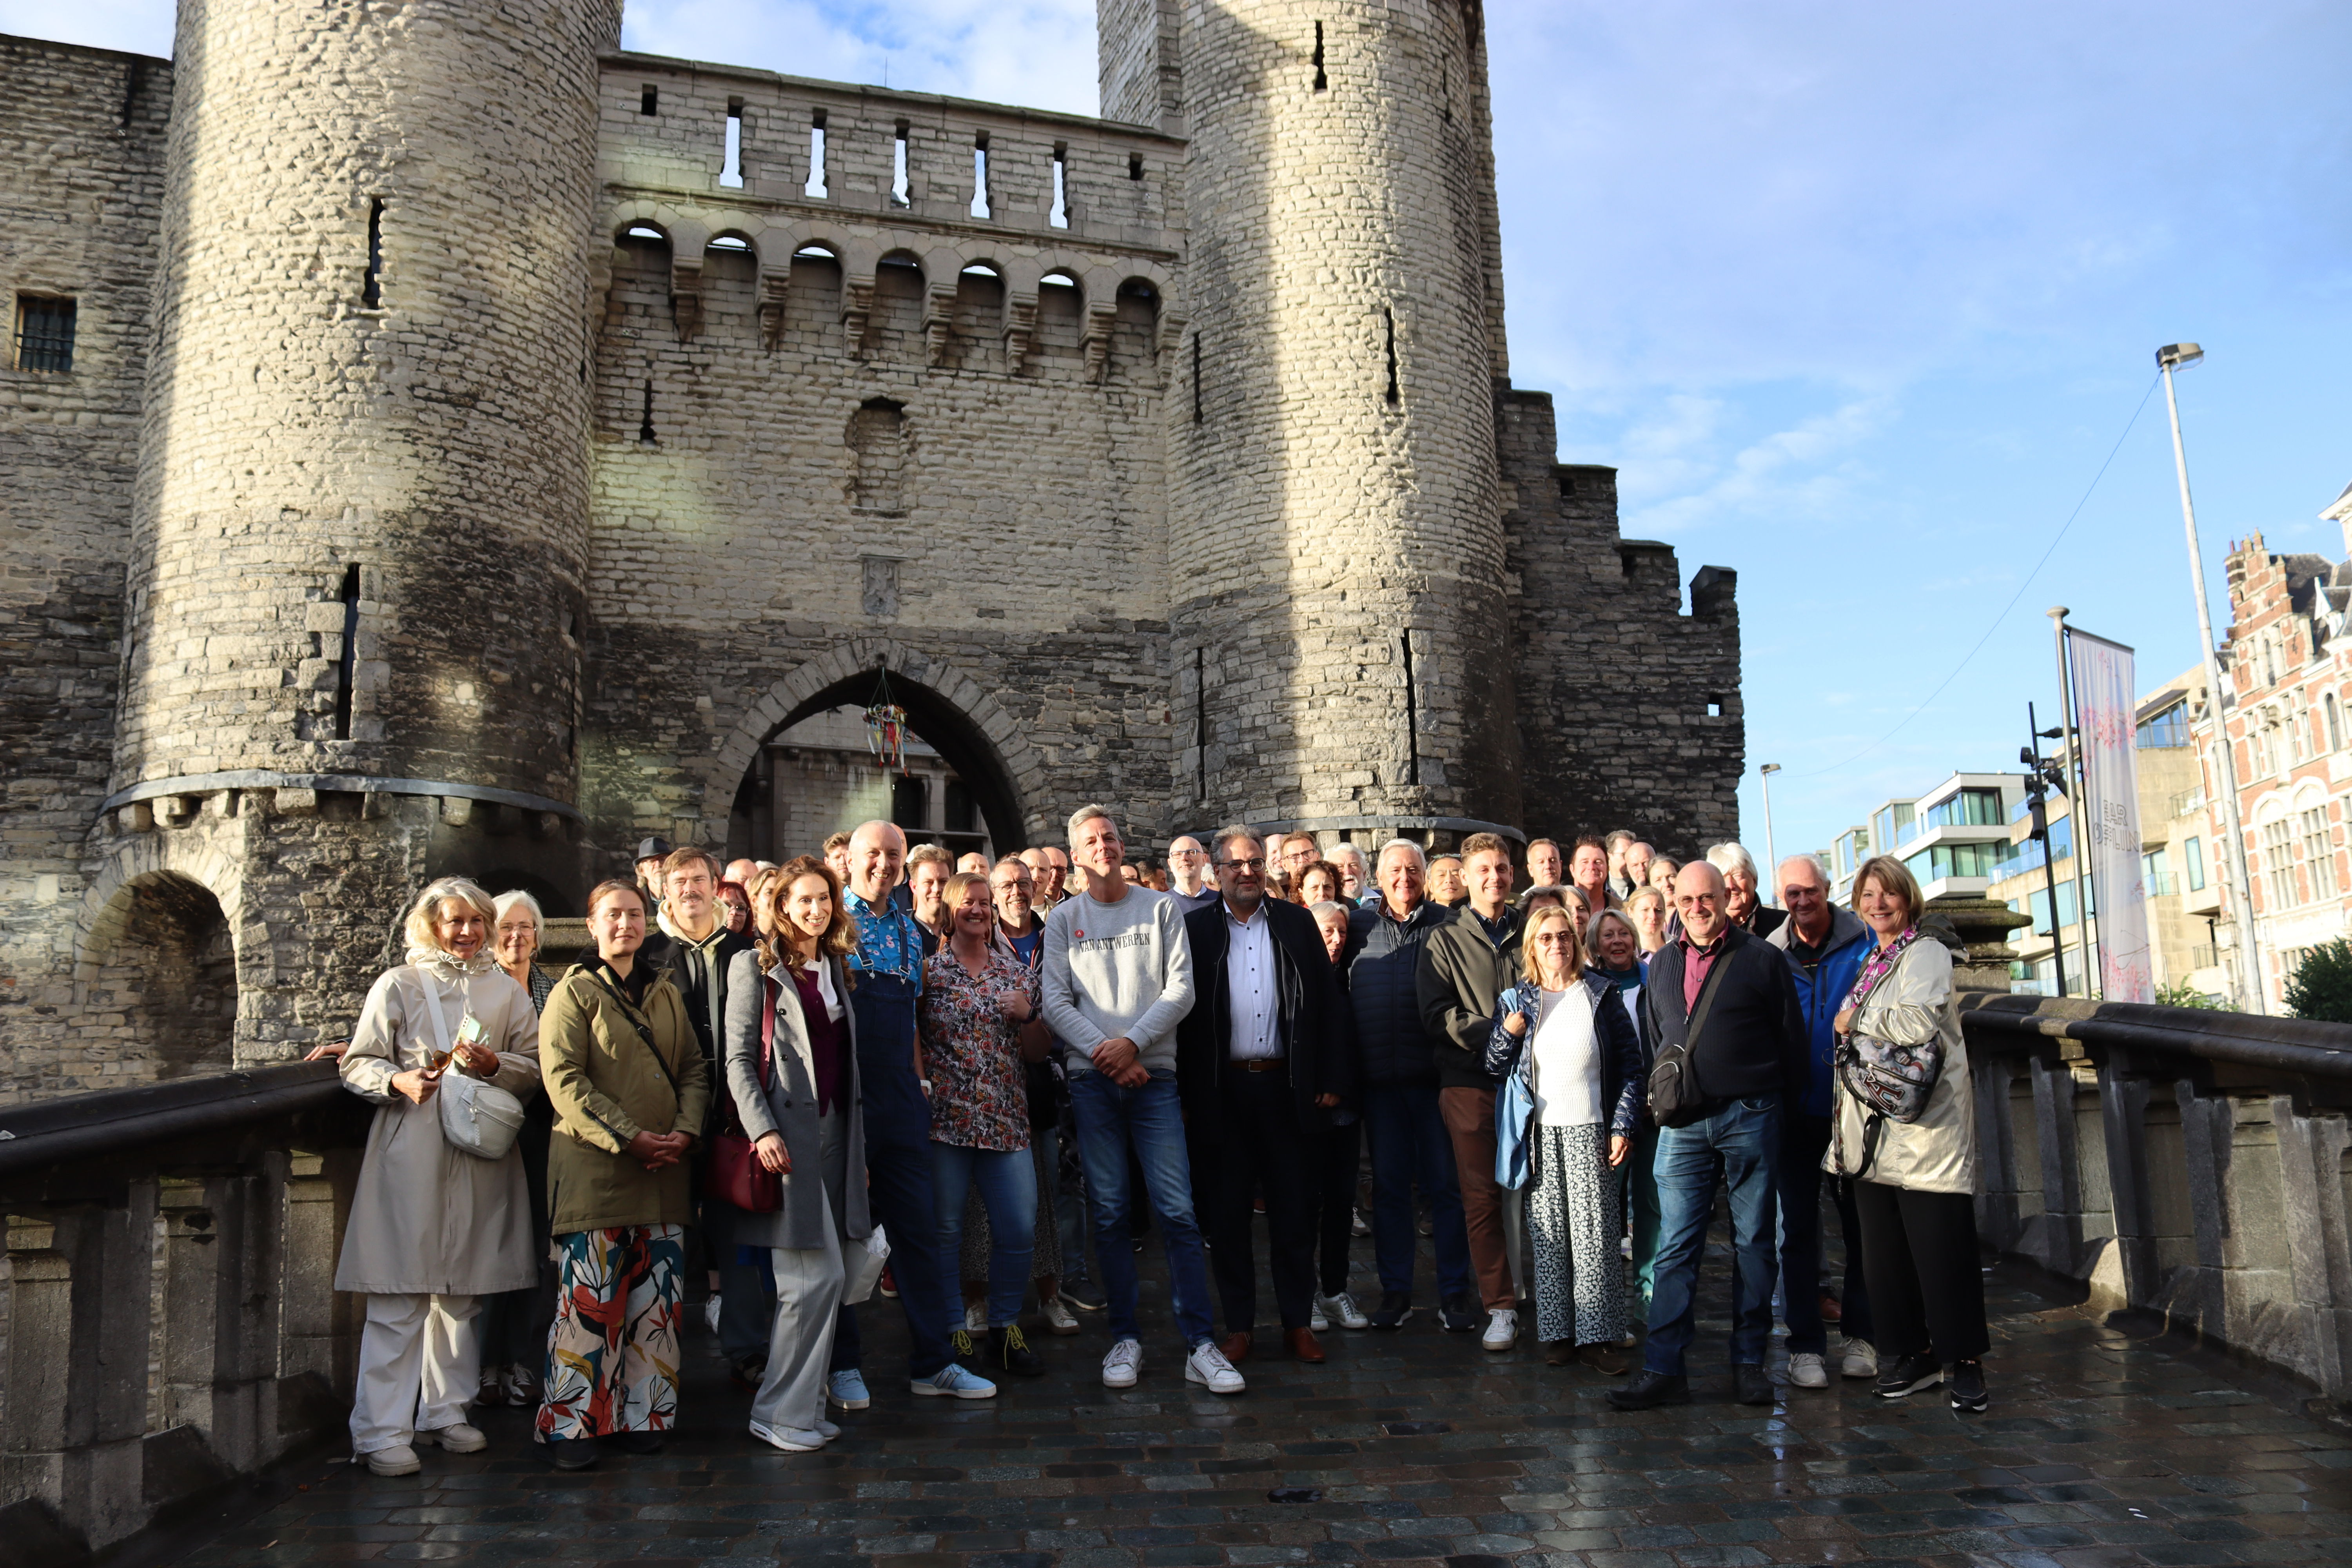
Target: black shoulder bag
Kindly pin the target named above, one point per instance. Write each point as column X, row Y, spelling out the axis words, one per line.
column 1675, row 1097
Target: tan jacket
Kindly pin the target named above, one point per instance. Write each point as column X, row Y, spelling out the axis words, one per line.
column 606, row 1086
column 1936, row 1153
column 426, row 1217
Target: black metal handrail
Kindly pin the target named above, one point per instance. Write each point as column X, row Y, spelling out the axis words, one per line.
column 2300, row 1046
column 112, row 1122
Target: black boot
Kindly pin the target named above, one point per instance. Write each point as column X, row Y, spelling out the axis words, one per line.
column 1651, row 1389
column 1008, row 1351
column 1750, row 1384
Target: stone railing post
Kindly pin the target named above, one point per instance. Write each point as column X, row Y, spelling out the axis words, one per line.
column 33, row 1438
column 2313, row 1150
column 2123, row 1123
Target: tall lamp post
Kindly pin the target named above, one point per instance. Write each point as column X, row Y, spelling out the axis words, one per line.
column 1771, row 861
column 2170, row 358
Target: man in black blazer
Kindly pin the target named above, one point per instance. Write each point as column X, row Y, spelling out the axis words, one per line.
column 1260, row 1062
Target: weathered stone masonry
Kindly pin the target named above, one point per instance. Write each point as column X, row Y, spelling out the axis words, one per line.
column 481, row 441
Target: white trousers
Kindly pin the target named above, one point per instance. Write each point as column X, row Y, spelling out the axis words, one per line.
column 420, row 1362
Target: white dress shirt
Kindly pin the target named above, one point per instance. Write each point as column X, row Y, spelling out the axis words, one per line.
column 1250, row 987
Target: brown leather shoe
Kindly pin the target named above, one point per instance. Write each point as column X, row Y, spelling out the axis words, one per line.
column 1304, row 1345
column 1236, row 1347
column 1602, row 1359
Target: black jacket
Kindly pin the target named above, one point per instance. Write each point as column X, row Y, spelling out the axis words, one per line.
column 1382, row 959
column 1755, row 1040
column 1308, row 1017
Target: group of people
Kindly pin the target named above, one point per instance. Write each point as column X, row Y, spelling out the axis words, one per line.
column 777, row 1075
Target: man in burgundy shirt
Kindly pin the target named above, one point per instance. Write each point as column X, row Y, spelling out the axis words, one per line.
column 1747, row 1056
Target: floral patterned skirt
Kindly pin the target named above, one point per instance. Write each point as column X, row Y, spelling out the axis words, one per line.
column 612, row 1354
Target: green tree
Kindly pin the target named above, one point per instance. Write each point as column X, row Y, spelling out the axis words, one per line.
column 2322, row 986
column 2180, row 993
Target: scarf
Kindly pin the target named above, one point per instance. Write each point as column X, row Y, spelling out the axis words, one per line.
column 1879, row 965
column 1624, row 980
column 448, row 968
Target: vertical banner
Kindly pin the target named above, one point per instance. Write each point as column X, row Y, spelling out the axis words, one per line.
column 2103, row 704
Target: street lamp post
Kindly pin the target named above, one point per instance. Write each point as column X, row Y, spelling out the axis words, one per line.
column 1771, row 861
column 2170, row 358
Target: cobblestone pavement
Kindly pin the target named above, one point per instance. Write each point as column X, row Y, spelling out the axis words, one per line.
column 1408, row 1447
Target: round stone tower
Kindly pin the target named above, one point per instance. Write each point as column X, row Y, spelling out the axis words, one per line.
column 351, row 651
column 362, row 518
column 1336, row 536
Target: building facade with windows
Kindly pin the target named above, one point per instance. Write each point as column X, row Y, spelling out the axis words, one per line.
column 1951, row 838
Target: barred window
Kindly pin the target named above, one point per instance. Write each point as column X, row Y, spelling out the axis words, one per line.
column 2318, row 853
column 44, row 332
column 2278, row 864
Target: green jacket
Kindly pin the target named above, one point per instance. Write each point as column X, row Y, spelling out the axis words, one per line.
column 597, row 1061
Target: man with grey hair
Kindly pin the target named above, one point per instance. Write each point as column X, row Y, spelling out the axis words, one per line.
column 1118, row 980
column 1397, row 1068
column 1188, row 867
column 1355, row 874
column 1742, row 898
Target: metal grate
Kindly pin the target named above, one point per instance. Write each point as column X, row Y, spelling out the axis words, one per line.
column 45, row 334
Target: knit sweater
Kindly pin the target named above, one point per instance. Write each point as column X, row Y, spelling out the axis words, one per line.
column 1114, row 970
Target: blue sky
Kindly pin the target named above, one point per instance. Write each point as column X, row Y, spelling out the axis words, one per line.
column 1857, row 298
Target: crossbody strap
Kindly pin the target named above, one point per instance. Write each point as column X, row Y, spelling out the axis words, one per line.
column 646, row 1033
column 1707, row 988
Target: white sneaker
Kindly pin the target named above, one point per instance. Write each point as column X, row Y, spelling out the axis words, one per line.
column 710, row 1312
column 1058, row 1317
column 1316, row 1318
column 975, row 1317
column 1806, row 1370
column 1502, row 1329
column 1358, row 1225
column 1858, row 1358
column 1341, row 1308
column 400, row 1460
column 1207, row 1364
column 791, row 1439
column 826, row 1430
column 1119, row 1367
column 457, row 1438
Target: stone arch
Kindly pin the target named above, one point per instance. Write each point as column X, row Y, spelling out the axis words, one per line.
column 156, row 964
column 953, row 710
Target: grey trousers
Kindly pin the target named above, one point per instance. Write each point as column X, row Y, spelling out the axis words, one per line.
column 808, row 1307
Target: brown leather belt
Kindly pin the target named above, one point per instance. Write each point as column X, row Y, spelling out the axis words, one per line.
column 1262, row 1064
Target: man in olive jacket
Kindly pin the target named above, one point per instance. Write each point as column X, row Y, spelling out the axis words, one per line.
column 1465, row 967
column 1259, row 1065
column 629, row 1087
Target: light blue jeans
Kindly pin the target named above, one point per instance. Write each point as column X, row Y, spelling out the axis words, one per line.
column 1111, row 1120
column 1007, row 1179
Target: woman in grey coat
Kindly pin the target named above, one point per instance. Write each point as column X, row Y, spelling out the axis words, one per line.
column 791, row 1066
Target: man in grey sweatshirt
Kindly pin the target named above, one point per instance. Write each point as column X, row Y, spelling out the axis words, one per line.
column 1119, row 979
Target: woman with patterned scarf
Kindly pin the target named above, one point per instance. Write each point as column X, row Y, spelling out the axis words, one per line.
column 433, row 1227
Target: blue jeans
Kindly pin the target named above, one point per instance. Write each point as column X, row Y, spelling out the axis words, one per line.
column 898, row 1177
column 1008, row 1190
column 1410, row 1147
column 1111, row 1120
column 1738, row 1146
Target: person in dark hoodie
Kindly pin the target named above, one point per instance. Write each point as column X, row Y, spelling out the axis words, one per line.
column 1826, row 948
column 1410, row 1146
column 1745, row 1061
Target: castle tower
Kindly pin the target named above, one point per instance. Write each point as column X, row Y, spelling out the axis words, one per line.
column 360, row 531
column 1338, row 601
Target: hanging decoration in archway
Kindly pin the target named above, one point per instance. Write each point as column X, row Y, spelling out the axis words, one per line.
column 886, row 725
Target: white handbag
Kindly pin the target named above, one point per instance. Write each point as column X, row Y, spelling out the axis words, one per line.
column 865, row 1260
column 477, row 1117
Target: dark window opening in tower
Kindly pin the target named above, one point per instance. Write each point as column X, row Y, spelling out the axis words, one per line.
column 1567, row 486
column 1135, row 165
column 347, row 661
column 815, row 186
column 980, row 176
column 1196, row 378
column 131, row 81
column 372, row 287
column 731, row 171
column 1411, row 717
column 649, row 101
column 645, row 425
column 901, row 194
column 1321, row 81
column 961, row 812
column 1445, row 90
column 1059, row 217
column 572, row 741
column 44, row 332
column 909, row 798
column 1388, row 319
column 1201, row 725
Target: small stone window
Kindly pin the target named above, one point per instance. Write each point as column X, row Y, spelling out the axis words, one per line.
column 44, row 332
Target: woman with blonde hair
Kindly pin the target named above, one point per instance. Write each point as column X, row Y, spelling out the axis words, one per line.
column 792, row 1071
column 1572, row 1045
column 434, row 1227
column 1649, row 910
column 1903, row 1130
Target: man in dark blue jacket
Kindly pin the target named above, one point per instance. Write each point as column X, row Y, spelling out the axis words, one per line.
column 1398, row 1070
column 1826, row 947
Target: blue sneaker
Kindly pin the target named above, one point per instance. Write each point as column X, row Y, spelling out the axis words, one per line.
column 846, row 1389
column 952, row 1382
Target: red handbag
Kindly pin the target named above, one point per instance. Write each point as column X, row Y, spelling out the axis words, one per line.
column 736, row 1174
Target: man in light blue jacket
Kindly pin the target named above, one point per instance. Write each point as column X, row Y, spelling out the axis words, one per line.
column 1825, row 946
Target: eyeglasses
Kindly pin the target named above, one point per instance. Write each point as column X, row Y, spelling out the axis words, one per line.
column 1256, row 865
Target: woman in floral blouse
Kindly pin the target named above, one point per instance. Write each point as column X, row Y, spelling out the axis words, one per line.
column 980, row 1020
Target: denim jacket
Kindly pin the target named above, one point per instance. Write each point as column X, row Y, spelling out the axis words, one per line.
column 1621, row 1083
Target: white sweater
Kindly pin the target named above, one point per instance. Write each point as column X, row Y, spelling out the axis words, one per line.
column 1113, row 970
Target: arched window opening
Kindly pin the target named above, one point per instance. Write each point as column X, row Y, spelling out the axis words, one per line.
column 730, row 241
column 1061, row 317
column 813, row 301
column 1135, row 328
column 166, row 987
column 877, row 439
column 978, row 335
column 645, row 231
column 899, row 308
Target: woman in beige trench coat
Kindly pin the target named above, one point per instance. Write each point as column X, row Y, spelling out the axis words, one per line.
column 432, row 1227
